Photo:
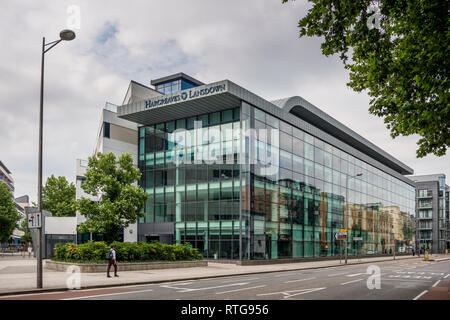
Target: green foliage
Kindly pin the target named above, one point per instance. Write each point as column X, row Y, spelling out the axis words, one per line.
column 27, row 236
column 121, row 201
column 408, row 232
column 58, row 197
column 126, row 252
column 8, row 213
column 403, row 63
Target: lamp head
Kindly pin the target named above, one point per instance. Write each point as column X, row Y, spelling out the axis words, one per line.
column 67, row 35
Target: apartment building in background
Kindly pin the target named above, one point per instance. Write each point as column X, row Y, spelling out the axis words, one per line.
column 432, row 212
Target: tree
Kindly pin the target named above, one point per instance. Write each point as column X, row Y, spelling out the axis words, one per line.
column 399, row 54
column 27, row 236
column 8, row 213
column 58, row 197
column 121, row 200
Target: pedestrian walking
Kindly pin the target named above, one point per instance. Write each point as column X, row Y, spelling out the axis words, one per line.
column 112, row 261
column 22, row 251
column 413, row 252
column 30, row 249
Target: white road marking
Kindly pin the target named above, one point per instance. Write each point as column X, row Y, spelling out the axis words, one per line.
column 108, row 294
column 434, row 285
column 447, row 276
column 207, row 288
column 351, row 281
column 420, row 295
column 287, row 294
column 299, row 280
column 223, row 292
column 337, row 274
column 241, row 279
column 409, row 280
column 356, row 274
column 283, row 275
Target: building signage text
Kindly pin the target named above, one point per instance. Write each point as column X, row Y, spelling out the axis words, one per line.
column 185, row 95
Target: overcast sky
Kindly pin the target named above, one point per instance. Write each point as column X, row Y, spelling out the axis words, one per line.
column 253, row 43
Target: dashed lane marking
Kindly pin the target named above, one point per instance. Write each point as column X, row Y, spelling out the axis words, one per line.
column 351, row 281
column 298, row 280
column 250, row 288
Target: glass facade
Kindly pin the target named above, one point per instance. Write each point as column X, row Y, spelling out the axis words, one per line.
column 174, row 86
column 200, row 196
column 242, row 184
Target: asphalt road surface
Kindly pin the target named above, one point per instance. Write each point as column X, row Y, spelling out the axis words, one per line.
column 389, row 280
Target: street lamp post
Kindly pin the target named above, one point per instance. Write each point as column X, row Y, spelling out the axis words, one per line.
column 346, row 209
column 66, row 35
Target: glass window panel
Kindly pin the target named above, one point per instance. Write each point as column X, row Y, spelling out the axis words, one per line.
column 309, row 138
column 204, row 119
column 170, row 126
column 227, row 116
column 181, row 124
column 318, row 171
column 190, row 123
column 260, row 115
column 236, row 114
column 297, row 164
column 286, row 127
column 318, row 155
column 298, row 147
column 285, row 159
column 297, row 133
column 309, row 151
column 328, row 159
column 318, row 143
column 272, row 121
column 328, row 175
column 191, row 193
column 309, row 168
column 214, row 118
column 285, row 142
column 226, row 131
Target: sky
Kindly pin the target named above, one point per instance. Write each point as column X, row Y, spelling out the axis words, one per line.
column 253, row 43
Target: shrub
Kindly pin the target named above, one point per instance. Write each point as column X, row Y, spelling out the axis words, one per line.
column 126, row 251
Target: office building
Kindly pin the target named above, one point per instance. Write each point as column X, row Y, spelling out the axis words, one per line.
column 241, row 177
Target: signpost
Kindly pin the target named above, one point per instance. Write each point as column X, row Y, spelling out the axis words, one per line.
column 34, row 220
column 359, row 240
column 341, row 235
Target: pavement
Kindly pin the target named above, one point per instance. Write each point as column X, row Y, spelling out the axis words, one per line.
column 18, row 274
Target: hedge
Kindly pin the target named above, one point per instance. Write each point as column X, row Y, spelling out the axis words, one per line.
column 126, row 252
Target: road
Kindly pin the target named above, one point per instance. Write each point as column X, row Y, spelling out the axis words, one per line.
column 398, row 280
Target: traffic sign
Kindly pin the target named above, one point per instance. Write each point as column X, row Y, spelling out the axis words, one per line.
column 34, row 220
column 357, row 238
column 340, row 235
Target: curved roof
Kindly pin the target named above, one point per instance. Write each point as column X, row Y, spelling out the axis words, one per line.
column 306, row 111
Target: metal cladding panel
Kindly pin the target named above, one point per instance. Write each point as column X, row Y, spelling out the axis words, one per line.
column 233, row 95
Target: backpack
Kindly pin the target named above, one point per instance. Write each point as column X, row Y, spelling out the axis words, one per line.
column 108, row 255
